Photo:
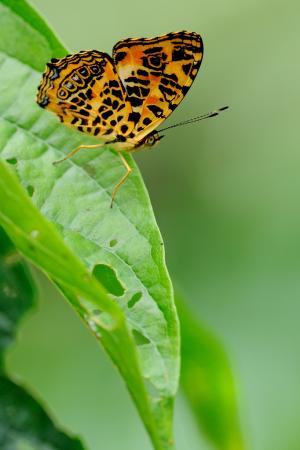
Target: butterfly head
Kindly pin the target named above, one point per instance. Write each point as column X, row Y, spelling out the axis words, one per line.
column 150, row 140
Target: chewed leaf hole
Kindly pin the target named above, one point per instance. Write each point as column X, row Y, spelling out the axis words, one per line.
column 107, row 321
column 134, row 299
column 12, row 160
column 30, row 190
column 139, row 338
column 113, row 242
column 108, row 278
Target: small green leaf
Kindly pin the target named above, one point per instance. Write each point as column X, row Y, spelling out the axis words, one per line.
column 71, row 230
column 23, row 422
column 207, row 381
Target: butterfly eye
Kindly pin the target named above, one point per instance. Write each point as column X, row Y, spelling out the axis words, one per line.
column 150, row 140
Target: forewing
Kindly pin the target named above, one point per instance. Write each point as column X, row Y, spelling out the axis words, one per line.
column 157, row 73
column 85, row 91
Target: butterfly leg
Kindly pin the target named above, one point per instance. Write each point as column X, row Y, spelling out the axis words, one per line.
column 123, row 179
column 77, row 150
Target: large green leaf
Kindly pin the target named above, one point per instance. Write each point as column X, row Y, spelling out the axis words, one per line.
column 23, row 422
column 16, row 292
column 68, row 229
column 207, row 381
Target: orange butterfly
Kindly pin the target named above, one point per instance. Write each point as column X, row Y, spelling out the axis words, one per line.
column 123, row 99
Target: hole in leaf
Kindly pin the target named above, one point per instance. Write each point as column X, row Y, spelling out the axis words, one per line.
column 12, row 160
column 151, row 389
column 113, row 242
column 134, row 299
column 34, row 234
column 30, row 190
column 96, row 319
column 107, row 276
column 139, row 338
column 107, row 321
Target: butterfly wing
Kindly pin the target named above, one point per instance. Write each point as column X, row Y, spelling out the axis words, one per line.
column 85, row 91
column 157, row 73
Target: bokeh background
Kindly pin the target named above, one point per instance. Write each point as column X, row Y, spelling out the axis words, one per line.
column 226, row 196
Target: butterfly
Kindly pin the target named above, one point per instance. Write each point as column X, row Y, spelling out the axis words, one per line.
column 122, row 98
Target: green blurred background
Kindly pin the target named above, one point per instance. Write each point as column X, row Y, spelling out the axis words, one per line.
column 226, row 196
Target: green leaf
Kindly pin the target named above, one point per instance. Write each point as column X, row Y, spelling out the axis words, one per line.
column 25, row 35
column 208, row 383
column 24, row 423
column 65, row 226
column 16, row 292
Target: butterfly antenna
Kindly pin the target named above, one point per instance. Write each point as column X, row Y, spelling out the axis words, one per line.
column 197, row 118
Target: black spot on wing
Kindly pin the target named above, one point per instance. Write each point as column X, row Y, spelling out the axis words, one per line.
column 186, row 68
column 172, row 76
column 83, row 112
column 124, row 128
column 107, row 114
column 120, row 56
column 113, row 83
column 133, row 90
column 120, row 138
column 135, row 101
column 142, row 72
column 117, row 93
column 89, row 94
column 96, row 121
column 122, row 106
column 144, row 91
column 157, row 111
column 107, row 101
column 134, row 117
column 172, row 106
column 147, row 121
